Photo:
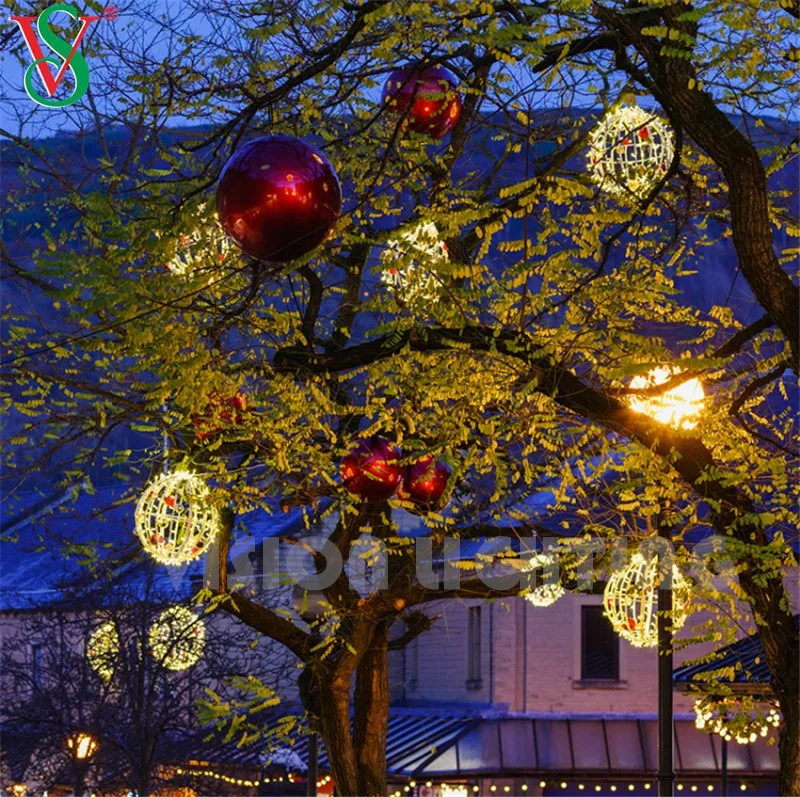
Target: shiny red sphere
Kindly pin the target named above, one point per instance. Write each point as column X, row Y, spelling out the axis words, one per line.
column 277, row 198
column 222, row 411
column 370, row 470
column 426, row 96
column 425, row 482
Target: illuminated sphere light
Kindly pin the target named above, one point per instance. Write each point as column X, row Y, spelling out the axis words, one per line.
column 221, row 412
column 727, row 719
column 177, row 638
column 427, row 97
column 678, row 406
column 82, row 745
column 630, row 150
column 102, row 650
column 175, row 519
column 206, row 246
column 410, row 262
column 371, row 470
column 278, row 198
column 545, row 594
column 631, row 600
column 424, row 483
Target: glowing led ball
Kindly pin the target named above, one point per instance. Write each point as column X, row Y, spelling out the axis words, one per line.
column 204, row 248
column 677, row 406
column 630, row 150
column 175, row 519
column 424, row 483
column 371, row 470
column 102, row 650
column 410, row 262
column 548, row 592
column 221, row 412
column 728, row 719
column 631, row 600
column 278, row 198
column 426, row 96
column 177, row 638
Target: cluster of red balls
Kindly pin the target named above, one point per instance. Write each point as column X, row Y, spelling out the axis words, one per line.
column 278, row 197
column 226, row 410
column 373, row 472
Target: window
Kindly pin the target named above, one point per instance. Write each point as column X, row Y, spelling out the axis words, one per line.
column 413, row 681
column 473, row 647
column 37, row 664
column 599, row 646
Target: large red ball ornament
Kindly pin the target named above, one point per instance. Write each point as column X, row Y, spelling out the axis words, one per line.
column 371, row 470
column 278, row 198
column 426, row 96
column 425, row 482
column 221, row 411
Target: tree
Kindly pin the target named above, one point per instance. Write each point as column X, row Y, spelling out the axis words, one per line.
column 554, row 294
column 99, row 674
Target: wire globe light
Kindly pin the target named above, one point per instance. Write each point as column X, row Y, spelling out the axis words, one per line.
column 175, row 519
column 177, row 638
column 630, row 600
column 630, row 150
column 410, row 262
column 727, row 719
column 678, row 406
column 205, row 247
column 546, row 594
column 102, row 650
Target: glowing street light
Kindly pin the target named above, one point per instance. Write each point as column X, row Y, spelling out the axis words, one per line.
column 82, row 746
column 677, row 406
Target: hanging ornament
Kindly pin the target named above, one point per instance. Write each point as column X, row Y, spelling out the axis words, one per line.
column 177, row 638
column 547, row 592
column 631, row 600
column 205, row 247
column 410, row 262
column 278, row 198
column 427, row 97
column 733, row 722
column 630, row 150
column 678, row 406
column 424, row 483
column 175, row 519
column 371, row 470
column 221, row 412
column 102, row 650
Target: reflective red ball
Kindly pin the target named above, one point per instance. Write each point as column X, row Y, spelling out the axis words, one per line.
column 221, row 411
column 278, row 198
column 426, row 96
column 425, row 482
column 370, row 470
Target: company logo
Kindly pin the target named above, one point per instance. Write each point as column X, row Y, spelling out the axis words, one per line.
column 68, row 55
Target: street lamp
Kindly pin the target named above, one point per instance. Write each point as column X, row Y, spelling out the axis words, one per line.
column 679, row 407
column 82, row 746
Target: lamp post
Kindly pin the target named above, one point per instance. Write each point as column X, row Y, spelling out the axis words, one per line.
column 677, row 407
column 82, row 747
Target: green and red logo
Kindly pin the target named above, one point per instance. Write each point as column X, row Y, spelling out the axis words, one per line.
column 66, row 54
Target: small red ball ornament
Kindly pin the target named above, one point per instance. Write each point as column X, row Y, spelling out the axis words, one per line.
column 228, row 410
column 278, row 198
column 426, row 96
column 425, row 482
column 371, row 470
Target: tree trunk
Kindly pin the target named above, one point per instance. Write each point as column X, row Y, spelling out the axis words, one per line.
column 789, row 776
column 334, row 704
column 372, row 714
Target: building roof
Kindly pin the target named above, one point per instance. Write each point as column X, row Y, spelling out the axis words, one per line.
column 435, row 742
column 742, row 662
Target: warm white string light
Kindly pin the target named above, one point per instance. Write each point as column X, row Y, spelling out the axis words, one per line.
column 630, row 600
column 630, row 150
column 729, row 720
column 177, row 638
column 548, row 592
column 175, row 519
column 206, row 246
